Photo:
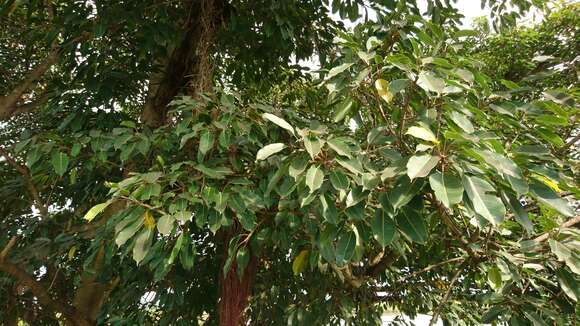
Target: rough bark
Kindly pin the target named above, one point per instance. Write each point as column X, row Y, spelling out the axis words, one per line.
column 188, row 68
column 235, row 293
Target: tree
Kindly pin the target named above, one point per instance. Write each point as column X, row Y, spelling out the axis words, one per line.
column 166, row 163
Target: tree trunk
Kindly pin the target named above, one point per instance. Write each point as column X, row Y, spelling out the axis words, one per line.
column 188, row 69
column 235, row 293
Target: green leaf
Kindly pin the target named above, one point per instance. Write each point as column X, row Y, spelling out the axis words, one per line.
column 314, row 178
column 298, row 166
column 165, row 224
column 568, row 284
column 340, row 146
column 398, row 85
column 462, row 121
column 420, row 166
column 96, row 210
column 501, row 164
column 383, row 227
column 422, row 133
column 339, row 180
column 128, row 232
column 412, row 225
column 547, row 196
column 345, row 247
column 218, row 172
column 142, row 245
column 300, row 262
column 447, row 187
column 486, row 205
column 329, row 211
column 430, row 82
column 566, row 255
column 269, row 150
column 206, row 141
column 494, row 278
column 519, row 212
column 403, row 191
column 492, row 314
column 279, row 122
column 353, row 165
column 59, row 161
column 338, row 69
column 343, row 109
column 242, row 261
column 313, row 146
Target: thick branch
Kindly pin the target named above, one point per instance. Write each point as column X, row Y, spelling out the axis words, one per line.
column 8, row 103
column 44, row 298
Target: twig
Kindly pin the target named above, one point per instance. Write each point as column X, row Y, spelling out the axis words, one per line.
column 42, row 207
column 430, row 267
column 447, row 294
column 571, row 222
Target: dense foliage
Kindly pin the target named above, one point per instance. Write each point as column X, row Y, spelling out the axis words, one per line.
column 169, row 163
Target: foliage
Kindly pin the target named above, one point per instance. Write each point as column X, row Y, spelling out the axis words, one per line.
column 423, row 169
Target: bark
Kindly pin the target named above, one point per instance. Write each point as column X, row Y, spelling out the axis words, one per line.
column 235, row 293
column 187, row 69
column 44, row 298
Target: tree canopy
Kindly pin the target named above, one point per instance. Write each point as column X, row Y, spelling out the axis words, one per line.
column 174, row 163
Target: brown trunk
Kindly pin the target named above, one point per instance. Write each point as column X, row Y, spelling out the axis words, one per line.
column 235, row 294
column 188, row 69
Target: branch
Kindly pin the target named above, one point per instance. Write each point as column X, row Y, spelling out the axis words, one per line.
column 44, row 298
column 571, row 222
column 571, row 142
column 42, row 207
column 8, row 102
column 447, row 294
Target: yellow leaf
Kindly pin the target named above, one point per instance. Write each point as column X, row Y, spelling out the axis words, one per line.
column 548, row 182
column 148, row 220
column 381, row 85
column 300, row 261
column 71, row 252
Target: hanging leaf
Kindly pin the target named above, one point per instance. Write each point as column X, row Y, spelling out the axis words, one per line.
column 419, row 166
column 279, row 122
column 547, row 196
column 343, row 109
column 447, row 187
column 353, row 165
column 96, row 210
column 345, row 247
column 519, row 212
column 165, row 224
column 300, row 262
column 340, row 146
column 313, row 145
column 422, row 133
column 431, row 83
column 59, row 161
column 339, row 180
column 383, row 227
column 462, row 121
column 142, row 245
column 269, row 150
column 412, row 225
column 486, row 205
column 206, row 141
column 314, row 178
